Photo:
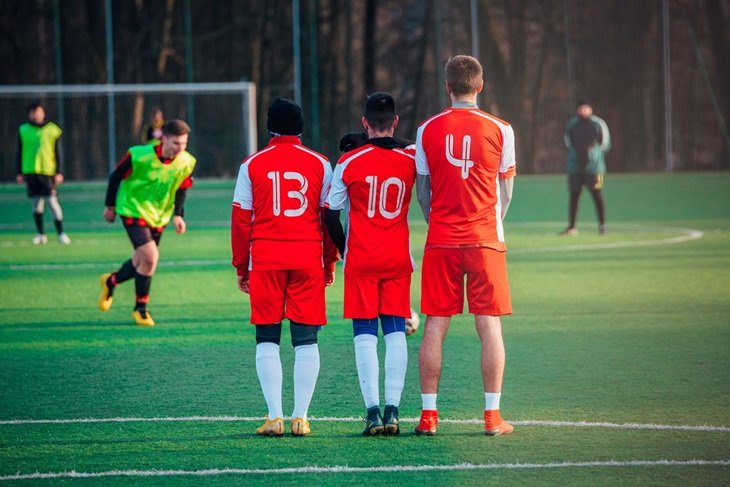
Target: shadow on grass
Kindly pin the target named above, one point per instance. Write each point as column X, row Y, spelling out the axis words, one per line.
column 70, row 324
column 104, row 324
column 128, row 441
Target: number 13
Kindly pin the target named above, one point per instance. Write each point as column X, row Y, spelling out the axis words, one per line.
column 295, row 195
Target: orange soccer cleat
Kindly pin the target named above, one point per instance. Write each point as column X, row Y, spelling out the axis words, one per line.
column 494, row 425
column 429, row 421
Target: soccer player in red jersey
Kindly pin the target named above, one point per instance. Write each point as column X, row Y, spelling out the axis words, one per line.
column 465, row 160
column 277, row 239
column 375, row 182
column 147, row 189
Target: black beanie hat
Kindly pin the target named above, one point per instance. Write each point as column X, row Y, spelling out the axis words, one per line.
column 285, row 118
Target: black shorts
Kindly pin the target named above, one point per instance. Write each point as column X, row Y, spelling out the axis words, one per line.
column 593, row 182
column 140, row 233
column 39, row 184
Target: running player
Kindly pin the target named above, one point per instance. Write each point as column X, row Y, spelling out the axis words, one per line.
column 277, row 245
column 147, row 189
column 466, row 163
column 375, row 182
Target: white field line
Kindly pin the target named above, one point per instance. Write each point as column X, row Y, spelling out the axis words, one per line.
column 331, row 419
column 347, row 469
column 689, row 234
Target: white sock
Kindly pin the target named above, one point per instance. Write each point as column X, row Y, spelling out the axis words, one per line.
column 396, row 363
column 429, row 401
column 368, row 368
column 491, row 400
column 268, row 368
column 306, row 371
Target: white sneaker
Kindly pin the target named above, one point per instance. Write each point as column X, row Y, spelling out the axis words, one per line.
column 63, row 239
column 40, row 239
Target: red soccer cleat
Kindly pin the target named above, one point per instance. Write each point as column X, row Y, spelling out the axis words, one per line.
column 429, row 421
column 494, row 425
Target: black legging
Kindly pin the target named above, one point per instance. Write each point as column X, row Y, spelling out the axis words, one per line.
column 597, row 200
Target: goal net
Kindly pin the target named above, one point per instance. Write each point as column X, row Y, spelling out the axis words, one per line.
column 100, row 122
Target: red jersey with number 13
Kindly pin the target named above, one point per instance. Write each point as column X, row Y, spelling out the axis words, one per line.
column 284, row 186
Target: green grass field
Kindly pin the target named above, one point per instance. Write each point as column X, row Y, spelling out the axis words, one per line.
column 618, row 369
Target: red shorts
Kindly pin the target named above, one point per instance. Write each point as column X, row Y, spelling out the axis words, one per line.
column 297, row 295
column 368, row 297
column 442, row 281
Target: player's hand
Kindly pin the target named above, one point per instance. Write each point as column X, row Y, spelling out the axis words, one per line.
column 58, row 178
column 179, row 223
column 109, row 214
column 19, row 178
column 243, row 283
column 329, row 277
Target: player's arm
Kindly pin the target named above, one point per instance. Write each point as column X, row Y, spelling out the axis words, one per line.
column 566, row 135
column 329, row 248
column 330, row 253
column 241, row 243
column 19, row 161
column 507, row 170
column 505, row 193
column 334, row 229
column 423, row 193
column 605, row 135
column 179, row 211
column 178, row 218
column 336, row 200
column 60, row 162
column 123, row 169
column 423, row 177
column 241, row 223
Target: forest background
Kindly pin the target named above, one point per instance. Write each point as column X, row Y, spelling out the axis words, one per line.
column 539, row 57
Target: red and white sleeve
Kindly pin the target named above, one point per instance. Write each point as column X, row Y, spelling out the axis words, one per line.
column 241, row 218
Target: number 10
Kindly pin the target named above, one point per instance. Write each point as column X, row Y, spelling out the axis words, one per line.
column 374, row 201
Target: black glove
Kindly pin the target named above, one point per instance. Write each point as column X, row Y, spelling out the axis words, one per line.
column 353, row 140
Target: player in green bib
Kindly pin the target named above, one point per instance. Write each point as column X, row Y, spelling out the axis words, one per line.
column 39, row 165
column 147, row 189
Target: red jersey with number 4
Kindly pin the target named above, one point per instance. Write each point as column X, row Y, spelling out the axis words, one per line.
column 283, row 188
column 375, row 183
column 465, row 151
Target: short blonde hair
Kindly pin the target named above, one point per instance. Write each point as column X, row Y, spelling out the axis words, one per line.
column 463, row 74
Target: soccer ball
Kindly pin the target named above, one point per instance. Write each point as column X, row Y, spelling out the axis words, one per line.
column 412, row 323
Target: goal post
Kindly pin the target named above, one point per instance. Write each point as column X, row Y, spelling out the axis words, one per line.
column 100, row 121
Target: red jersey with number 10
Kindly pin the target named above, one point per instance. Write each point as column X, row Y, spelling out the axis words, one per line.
column 465, row 151
column 376, row 184
column 284, row 186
